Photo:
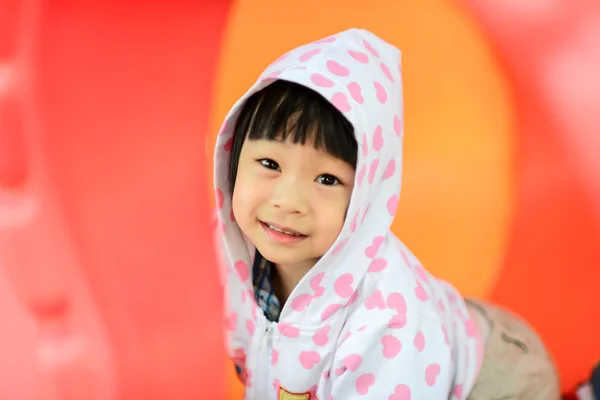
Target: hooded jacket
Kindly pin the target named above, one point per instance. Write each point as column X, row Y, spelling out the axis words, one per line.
column 367, row 321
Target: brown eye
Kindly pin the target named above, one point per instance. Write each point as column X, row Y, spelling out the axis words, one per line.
column 269, row 164
column 328, row 180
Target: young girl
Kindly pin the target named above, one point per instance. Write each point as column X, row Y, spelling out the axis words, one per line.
column 322, row 300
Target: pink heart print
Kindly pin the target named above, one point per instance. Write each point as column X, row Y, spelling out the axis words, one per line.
column 441, row 306
column 378, row 138
column 431, row 374
column 309, row 54
column 231, row 322
column 420, row 292
column 389, row 170
column 320, row 337
column 329, row 39
column 365, row 145
column 458, row 391
column 340, row 101
column 378, row 265
column 223, row 128
column 380, row 92
column 370, row 48
column 274, row 357
column 309, row 359
column 366, row 212
column 421, row 273
column 335, row 68
column 354, row 221
column 419, row 341
column 242, row 270
column 352, row 362
column 346, row 337
column 321, row 80
column 339, row 247
column 396, row 301
column 361, row 175
column 250, row 326
column 359, row 56
column 300, row 302
column 273, row 74
column 397, row 126
column 446, row 338
column 398, row 321
column 471, row 327
column 352, row 298
column 375, row 301
column 288, row 330
column 392, row 205
column 315, row 284
column 356, row 92
column 343, row 285
column 391, row 346
column 364, row 383
column 386, row 72
column 373, row 248
column 373, row 169
column 281, row 58
column 329, row 311
column 220, row 199
column 402, row 392
column 227, row 146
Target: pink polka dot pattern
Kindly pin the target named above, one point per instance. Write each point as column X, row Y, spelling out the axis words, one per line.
column 386, row 72
column 380, row 92
column 356, row 92
column 308, row 55
column 359, row 56
column 370, row 49
column 336, row 69
column 343, row 285
column 340, row 101
column 321, row 80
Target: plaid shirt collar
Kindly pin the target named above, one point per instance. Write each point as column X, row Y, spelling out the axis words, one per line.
column 263, row 291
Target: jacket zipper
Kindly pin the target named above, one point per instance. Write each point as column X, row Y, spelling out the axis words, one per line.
column 266, row 357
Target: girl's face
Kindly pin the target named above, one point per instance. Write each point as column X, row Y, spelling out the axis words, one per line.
column 291, row 199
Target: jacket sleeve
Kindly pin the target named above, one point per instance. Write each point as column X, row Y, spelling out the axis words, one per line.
column 400, row 357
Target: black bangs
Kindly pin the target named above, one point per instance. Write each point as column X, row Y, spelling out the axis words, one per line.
column 286, row 109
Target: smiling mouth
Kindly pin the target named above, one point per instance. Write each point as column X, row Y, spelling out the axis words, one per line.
column 283, row 230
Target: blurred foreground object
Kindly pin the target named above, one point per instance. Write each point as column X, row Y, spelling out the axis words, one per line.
column 108, row 288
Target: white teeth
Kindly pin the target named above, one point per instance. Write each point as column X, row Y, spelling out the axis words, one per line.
column 279, row 230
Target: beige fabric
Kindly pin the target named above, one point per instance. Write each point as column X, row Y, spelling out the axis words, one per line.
column 516, row 364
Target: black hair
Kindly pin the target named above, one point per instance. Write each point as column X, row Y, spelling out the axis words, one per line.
column 286, row 108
